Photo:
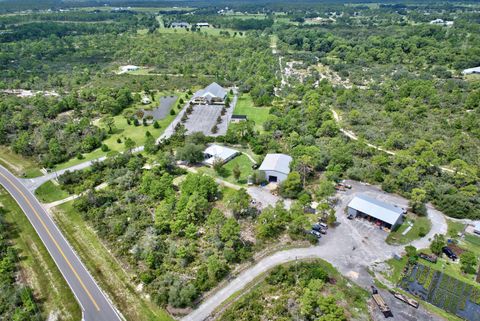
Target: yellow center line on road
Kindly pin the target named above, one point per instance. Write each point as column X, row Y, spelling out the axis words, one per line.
column 54, row 241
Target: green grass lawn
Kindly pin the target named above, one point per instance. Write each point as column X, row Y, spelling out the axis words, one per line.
column 18, row 164
column 419, row 222
column 122, row 131
column 49, row 192
column 226, row 173
column 105, row 268
column 454, row 228
column 258, row 114
column 37, row 266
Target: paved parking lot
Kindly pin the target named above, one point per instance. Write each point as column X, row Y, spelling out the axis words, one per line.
column 204, row 117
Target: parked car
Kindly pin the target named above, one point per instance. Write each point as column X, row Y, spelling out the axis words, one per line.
column 324, row 226
column 316, row 233
column 250, row 181
column 448, row 252
column 255, row 166
column 317, row 227
column 341, row 188
column 342, row 183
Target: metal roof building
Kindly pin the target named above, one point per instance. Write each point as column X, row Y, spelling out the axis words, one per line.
column 469, row 71
column 212, row 93
column 276, row 167
column 217, row 152
column 363, row 205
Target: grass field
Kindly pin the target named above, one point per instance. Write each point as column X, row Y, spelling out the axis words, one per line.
column 38, row 268
column 258, row 114
column 205, row 30
column 226, row 173
column 419, row 222
column 105, row 268
column 17, row 164
column 122, row 131
column 454, row 228
column 49, row 192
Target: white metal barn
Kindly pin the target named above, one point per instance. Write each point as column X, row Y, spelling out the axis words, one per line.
column 217, row 152
column 276, row 167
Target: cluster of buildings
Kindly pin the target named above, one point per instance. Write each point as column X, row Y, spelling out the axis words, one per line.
column 275, row 167
column 187, row 25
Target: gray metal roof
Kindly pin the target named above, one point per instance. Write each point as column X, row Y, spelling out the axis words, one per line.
column 475, row 70
column 276, row 162
column 219, row 152
column 212, row 90
column 180, row 24
column 375, row 208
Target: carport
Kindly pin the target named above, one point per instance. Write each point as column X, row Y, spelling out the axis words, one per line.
column 377, row 211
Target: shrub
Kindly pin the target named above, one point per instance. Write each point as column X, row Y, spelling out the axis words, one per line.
column 172, row 112
column 105, row 148
column 156, row 125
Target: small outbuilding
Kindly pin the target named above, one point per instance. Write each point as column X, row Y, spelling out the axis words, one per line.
column 382, row 213
column 476, row 228
column 470, row 71
column 238, row 118
column 219, row 153
column 127, row 68
column 276, row 167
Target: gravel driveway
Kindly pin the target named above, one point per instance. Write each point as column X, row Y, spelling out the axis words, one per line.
column 352, row 247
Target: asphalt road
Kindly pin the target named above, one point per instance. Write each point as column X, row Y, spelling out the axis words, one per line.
column 95, row 306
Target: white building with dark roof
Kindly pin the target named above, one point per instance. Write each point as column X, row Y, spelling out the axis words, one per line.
column 276, row 167
column 212, row 94
column 219, row 153
column 383, row 214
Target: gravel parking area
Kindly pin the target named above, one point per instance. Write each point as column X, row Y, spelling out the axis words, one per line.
column 352, row 247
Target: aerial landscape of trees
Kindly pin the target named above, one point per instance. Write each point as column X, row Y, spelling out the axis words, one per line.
column 368, row 92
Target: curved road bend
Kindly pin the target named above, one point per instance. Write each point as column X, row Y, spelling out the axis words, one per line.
column 95, row 306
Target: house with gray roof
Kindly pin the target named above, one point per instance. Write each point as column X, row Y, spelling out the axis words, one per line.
column 213, row 94
column 276, row 167
column 382, row 213
column 180, row 25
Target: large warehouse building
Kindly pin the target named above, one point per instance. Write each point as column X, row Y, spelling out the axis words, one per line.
column 276, row 167
column 384, row 214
